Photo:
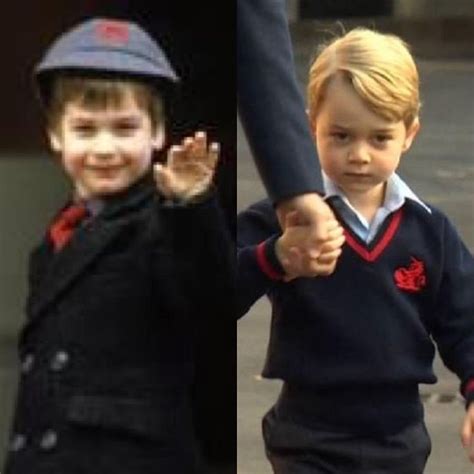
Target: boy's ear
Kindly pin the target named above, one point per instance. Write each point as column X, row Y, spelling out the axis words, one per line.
column 159, row 137
column 55, row 141
column 411, row 134
column 312, row 124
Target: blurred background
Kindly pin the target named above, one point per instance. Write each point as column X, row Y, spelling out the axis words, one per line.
column 32, row 186
column 440, row 168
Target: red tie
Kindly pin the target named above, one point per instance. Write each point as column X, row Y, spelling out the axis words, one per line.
column 63, row 227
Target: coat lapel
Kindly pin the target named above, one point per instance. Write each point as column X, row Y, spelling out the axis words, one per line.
column 40, row 259
column 87, row 245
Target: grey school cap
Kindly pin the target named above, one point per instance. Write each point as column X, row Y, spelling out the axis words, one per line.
column 106, row 46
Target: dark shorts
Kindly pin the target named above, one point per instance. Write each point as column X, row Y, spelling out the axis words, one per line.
column 296, row 449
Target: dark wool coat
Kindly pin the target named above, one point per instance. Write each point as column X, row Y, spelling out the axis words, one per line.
column 107, row 348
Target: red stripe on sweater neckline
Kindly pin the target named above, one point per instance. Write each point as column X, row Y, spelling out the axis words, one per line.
column 372, row 255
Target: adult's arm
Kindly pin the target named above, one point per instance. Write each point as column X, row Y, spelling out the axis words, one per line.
column 270, row 104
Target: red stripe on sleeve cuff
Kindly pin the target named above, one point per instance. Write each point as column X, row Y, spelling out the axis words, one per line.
column 265, row 265
column 469, row 388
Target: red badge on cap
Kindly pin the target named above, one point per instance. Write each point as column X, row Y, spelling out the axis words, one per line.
column 112, row 32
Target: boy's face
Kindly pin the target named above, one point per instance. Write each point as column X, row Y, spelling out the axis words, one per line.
column 105, row 151
column 358, row 149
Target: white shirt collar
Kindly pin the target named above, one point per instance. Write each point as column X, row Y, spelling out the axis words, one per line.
column 397, row 192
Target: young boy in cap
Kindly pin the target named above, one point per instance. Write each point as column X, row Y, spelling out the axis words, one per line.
column 122, row 272
column 353, row 347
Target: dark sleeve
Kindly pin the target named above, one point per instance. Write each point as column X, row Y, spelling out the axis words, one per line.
column 200, row 239
column 257, row 231
column 270, row 104
column 453, row 330
column 206, row 255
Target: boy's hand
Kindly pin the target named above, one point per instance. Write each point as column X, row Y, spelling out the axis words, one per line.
column 189, row 169
column 467, row 432
column 314, row 213
column 296, row 253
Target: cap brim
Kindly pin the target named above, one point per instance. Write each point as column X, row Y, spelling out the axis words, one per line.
column 110, row 62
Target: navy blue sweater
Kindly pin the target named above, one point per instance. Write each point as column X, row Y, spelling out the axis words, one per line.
column 370, row 326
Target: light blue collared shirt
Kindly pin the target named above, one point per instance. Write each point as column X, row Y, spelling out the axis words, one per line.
column 95, row 206
column 396, row 193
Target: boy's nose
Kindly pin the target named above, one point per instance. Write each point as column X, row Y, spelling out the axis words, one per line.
column 359, row 154
column 104, row 144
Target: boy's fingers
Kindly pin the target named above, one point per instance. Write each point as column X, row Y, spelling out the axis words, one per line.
column 333, row 224
column 333, row 244
column 467, row 439
column 187, row 147
column 314, row 249
column 322, row 222
column 293, row 261
column 200, row 143
column 194, row 149
column 328, row 269
column 320, row 233
column 295, row 255
column 335, row 233
column 188, row 142
column 466, row 433
column 164, row 179
column 324, row 269
column 329, row 257
column 176, row 155
column 213, row 155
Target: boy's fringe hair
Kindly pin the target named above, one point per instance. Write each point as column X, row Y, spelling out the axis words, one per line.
column 379, row 66
column 97, row 93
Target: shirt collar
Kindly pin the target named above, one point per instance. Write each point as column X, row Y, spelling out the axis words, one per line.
column 94, row 206
column 396, row 194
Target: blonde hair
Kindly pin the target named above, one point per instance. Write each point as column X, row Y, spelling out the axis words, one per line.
column 379, row 66
column 98, row 93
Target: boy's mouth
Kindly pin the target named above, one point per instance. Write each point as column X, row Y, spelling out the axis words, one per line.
column 105, row 169
column 357, row 175
column 105, row 172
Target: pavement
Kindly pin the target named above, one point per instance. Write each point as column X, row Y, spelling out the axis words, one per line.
column 440, row 168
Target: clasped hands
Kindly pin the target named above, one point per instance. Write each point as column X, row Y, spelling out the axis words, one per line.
column 312, row 237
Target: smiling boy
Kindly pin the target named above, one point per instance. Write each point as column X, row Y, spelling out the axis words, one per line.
column 117, row 282
column 104, row 150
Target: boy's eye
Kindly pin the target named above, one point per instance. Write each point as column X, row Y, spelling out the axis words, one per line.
column 382, row 139
column 340, row 136
column 126, row 128
column 84, row 129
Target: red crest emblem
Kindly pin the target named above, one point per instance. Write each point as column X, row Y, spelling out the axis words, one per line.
column 411, row 278
column 112, row 32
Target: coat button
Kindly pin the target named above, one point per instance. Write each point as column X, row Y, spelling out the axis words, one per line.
column 59, row 361
column 27, row 363
column 17, row 442
column 49, row 440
